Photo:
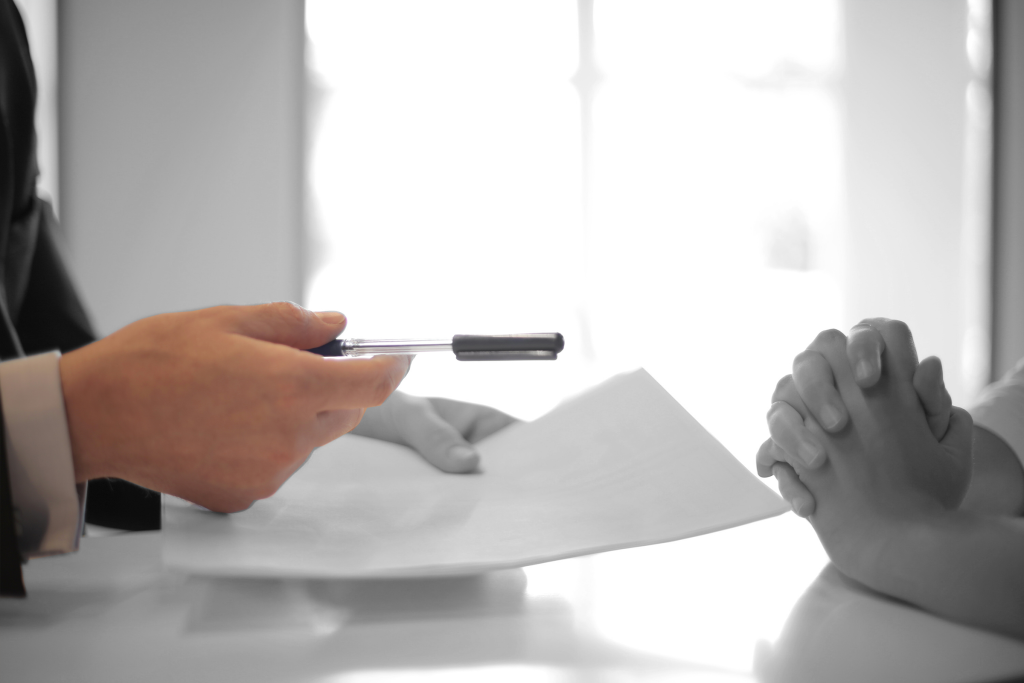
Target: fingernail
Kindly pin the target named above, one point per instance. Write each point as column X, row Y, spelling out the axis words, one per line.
column 463, row 455
column 799, row 506
column 810, row 454
column 863, row 370
column 331, row 317
column 830, row 417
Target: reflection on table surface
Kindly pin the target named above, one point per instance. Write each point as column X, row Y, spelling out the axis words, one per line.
column 752, row 603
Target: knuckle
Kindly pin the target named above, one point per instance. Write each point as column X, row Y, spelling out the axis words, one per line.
column 828, row 339
column 767, row 455
column 776, row 417
column 898, row 328
column 765, row 459
column 290, row 311
column 805, row 361
column 763, row 451
column 864, row 339
column 782, row 388
column 782, row 474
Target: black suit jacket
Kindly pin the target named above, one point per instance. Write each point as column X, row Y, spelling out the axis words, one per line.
column 39, row 308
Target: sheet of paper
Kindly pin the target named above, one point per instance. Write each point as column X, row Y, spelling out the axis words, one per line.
column 621, row 465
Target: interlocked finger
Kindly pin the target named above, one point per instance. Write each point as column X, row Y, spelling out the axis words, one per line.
column 814, row 381
column 864, row 347
column 934, row 398
column 796, row 443
column 793, row 490
column 899, row 356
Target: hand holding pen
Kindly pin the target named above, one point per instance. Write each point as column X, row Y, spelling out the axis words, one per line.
column 443, row 431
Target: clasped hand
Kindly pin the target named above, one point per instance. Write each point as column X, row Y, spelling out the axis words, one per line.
column 862, row 436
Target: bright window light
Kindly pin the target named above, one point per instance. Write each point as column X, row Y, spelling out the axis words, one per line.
column 454, row 190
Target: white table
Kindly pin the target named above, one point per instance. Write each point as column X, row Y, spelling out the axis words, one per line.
column 746, row 604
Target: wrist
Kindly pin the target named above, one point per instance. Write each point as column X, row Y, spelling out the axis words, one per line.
column 869, row 544
column 890, row 564
column 78, row 404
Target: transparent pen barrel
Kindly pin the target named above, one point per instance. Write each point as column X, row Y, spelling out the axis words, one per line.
column 374, row 347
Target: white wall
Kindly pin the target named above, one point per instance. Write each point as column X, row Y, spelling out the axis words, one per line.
column 181, row 139
column 1009, row 197
column 181, row 160
column 904, row 110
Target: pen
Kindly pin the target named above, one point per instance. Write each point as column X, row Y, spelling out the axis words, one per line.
column 544, row 346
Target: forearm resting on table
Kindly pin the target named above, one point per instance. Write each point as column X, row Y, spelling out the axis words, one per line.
column 997, row 479
column 960, row 565
column 967, row 565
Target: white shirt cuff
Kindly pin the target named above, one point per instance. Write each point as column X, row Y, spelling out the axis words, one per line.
column 1000, row 410
column 49, row 508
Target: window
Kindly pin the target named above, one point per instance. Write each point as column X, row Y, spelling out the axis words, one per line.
column 679, row 194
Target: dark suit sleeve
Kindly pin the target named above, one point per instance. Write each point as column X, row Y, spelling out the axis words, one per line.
column 39, row 308
column 17, row 97
column 45, row 312
column 11, row 584
column 51, row 316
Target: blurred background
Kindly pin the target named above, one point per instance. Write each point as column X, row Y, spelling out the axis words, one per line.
column 696, row 188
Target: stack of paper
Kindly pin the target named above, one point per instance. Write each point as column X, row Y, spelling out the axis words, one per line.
column 621, row 465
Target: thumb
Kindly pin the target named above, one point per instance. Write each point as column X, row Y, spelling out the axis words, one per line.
column 283, row 322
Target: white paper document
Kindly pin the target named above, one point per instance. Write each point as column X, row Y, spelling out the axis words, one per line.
column 621, row 465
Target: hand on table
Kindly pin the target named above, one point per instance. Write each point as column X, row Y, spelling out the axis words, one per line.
column 811, row 391
column 439, row 429
column 218, row 406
